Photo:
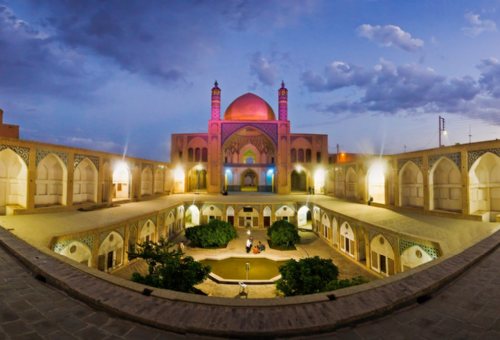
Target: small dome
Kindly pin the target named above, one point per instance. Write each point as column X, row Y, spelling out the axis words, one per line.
column 249, row 107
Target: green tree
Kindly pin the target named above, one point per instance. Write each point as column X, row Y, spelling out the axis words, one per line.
column 306, row 276
column 312, row 275
column 283, row 234
column 168, row 268
column 215, row 234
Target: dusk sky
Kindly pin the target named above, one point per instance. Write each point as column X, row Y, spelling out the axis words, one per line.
column 122, row 76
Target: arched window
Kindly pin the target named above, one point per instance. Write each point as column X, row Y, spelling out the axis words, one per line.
column 293, row 155
column 301, row 155
column 197, row 155
column 204, row 155
column 308, row 155
column 190, row 154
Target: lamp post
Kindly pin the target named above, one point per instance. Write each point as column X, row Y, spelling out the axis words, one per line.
column 442, row 130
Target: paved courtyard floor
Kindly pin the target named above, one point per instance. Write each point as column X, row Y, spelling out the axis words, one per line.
column 310, row 245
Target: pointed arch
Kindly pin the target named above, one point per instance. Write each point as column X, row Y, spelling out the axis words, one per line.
column 148, row 231
column 446, row 186
column 339, row 182
column 159, row 180
column 13, row 179
column 304, row 217
column 382, row 255
column 122, row 181
column 484, row 186
column 51, row 181
column 327, row 228
column 376, row 182
column 192, row 216
column 347, row 239
column 110, row 252
column 351, row 184
column 411, row 186
column 146, row 181
column 85, row 182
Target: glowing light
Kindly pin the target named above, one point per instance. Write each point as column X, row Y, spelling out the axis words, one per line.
column 199, row 167
column 319, row 176
column 299, row 168
column 249, row 232
column 445, row 132
column 179, row 174
column 377, row 172
column 121, row 172
column 228, row 172
column 270, row 172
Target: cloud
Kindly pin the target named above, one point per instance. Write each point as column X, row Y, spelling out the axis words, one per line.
column 390, row 35
column 31, row 61
column 337, row 75
column 264, row 69
column 477, row 26
column 410, row 89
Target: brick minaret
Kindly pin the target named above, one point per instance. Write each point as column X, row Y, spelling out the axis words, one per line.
column 216, row 102
column 283, row 102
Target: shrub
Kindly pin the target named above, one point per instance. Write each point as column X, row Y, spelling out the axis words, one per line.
column 283, row 234
column 337, row 284
column 168, row 268
column 306, row 276
column 215, row 234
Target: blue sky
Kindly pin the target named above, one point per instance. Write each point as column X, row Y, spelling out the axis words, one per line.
column 373, row 75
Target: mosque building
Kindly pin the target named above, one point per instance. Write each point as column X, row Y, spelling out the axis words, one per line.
column 250, row 149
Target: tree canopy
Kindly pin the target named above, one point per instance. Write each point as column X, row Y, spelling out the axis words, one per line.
column 283, row 234
column 215, row 234
column 168, row 267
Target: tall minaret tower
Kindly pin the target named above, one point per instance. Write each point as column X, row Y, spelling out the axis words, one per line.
column 216, row 101
column 283, row 102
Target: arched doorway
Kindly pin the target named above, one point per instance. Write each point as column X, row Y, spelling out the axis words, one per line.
column 192, row 216
column 110, row 252
column 13, row 179
column 411, row 189
column 351, row 184
column 347, row 239
column 326, row 227
column 266, row 213
column 304, row 218
column 376, row 183
column 121, row 181
column 299, row 181
column 446, row 183
column 197, row 179
column 230, row 215
column 147, row 232
column 159, row 180
column 484, row 187
column 85, row 182
column 146, row 181
column 249, row 180
column 51, row 181
column 382, row 255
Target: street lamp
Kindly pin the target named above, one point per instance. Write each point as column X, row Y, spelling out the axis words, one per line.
column 442, row 130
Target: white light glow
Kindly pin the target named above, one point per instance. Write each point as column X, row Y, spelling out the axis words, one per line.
column 299, row 168
column 179, row 174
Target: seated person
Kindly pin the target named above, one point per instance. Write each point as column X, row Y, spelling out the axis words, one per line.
column 261, row 246
column 255, row 250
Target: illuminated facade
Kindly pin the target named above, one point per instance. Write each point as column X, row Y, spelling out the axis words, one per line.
column 248, row 149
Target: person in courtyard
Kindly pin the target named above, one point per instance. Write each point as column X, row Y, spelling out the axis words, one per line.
column 249, row 244
column 261, row 246
column 256, row 249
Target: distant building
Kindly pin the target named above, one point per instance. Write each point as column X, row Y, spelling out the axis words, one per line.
column 249, row 149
